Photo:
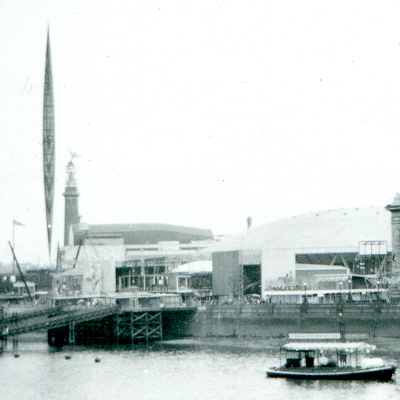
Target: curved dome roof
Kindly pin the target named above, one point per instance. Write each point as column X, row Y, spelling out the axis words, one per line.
column 145, row 233
column 340, row 229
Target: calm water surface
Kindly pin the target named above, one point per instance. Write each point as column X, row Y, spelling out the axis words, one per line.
column 186, row 369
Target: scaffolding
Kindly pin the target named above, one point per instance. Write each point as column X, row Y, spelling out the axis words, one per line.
column 372, row 259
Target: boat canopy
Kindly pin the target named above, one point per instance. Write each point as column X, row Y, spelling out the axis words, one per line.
column 329, row 346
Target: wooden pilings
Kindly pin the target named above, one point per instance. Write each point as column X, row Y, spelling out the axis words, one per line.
column 71, row 332
column 125, row 328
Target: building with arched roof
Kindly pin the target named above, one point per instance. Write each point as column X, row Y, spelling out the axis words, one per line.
column 292, row 247
column 139, row 234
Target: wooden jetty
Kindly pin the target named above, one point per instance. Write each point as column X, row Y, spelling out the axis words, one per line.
column 97, row 325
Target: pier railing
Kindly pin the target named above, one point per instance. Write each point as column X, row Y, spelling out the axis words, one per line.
column 349, row 310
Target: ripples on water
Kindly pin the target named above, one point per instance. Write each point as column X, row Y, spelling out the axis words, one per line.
column 186, row 369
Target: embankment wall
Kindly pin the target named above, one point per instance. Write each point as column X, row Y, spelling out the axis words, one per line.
column 274, row 320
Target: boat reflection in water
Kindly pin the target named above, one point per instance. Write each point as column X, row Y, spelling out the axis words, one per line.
column 331, row 360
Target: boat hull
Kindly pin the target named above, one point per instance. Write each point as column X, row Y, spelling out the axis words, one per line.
column 378, row 374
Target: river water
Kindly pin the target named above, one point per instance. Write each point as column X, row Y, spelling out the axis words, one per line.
column 181, row 369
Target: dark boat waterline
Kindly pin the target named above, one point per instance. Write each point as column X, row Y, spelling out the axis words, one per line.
column 376, row 374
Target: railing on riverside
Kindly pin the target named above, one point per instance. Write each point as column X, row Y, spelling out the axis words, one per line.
column 29, row 314
column 350, row 310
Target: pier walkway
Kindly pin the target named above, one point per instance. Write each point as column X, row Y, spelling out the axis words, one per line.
column 51, row 318
column 98, row 324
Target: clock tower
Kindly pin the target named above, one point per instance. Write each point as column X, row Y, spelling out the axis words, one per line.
column 71, row 202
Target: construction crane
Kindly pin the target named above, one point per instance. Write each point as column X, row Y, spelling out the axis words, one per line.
column 21, row 273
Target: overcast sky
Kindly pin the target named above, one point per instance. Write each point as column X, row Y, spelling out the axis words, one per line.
column 198, row 113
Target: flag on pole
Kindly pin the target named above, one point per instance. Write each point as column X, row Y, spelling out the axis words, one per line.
column 17, row 223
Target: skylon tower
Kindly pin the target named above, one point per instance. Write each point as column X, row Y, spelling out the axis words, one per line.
column 48, row 142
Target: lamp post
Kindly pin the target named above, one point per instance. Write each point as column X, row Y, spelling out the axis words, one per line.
column 339, row 310
column 342, row 327
column 304, row 304
column 362, row 267
column 350, row 287
column 378, row 283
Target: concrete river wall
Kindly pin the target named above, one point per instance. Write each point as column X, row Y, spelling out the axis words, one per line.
column 274, row 320
column 234, row 320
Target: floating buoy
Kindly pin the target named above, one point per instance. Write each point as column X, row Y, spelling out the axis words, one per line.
column 67, row 357
column 97, row 359
column 16, row 355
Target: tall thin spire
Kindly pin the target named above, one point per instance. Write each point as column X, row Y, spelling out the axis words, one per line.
column 48, row 142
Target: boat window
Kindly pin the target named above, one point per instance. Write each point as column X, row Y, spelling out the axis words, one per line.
column 309, row 361
column 293, row 362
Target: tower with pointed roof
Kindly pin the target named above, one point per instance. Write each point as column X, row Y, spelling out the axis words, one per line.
column 71, row 201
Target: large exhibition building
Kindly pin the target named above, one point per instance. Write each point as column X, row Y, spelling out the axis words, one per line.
column 338, row 250
column 313, row 255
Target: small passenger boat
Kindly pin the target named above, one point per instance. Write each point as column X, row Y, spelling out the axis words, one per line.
column 331, row 360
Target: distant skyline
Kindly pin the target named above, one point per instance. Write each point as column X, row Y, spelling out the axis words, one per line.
column 197, row 113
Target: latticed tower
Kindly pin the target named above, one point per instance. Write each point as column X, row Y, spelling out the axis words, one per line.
column 71, row 202
column 48, row 142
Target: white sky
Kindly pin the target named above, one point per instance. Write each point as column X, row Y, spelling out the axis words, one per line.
column 198, row 113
